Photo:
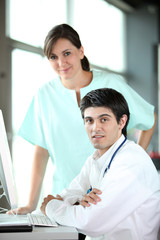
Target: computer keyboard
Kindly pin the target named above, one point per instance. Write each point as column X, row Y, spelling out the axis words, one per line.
column 41, row 220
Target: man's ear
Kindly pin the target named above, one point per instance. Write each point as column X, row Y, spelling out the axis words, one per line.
column 123, row 121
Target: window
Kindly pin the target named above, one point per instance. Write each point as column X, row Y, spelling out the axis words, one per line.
column 102, row 32
column 30, row 21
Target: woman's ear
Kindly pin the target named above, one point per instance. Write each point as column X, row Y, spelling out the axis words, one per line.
column 123, row 121
column 81, row 52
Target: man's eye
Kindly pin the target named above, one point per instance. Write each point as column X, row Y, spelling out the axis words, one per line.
column 88, row 121
column 104, row 120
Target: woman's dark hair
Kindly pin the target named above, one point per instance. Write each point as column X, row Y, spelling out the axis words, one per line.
column 109, row 98
column 67, row 32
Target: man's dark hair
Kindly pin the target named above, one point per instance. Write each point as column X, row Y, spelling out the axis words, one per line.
column 109, row 98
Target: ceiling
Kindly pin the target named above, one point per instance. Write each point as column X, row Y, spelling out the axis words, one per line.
column 131, row 5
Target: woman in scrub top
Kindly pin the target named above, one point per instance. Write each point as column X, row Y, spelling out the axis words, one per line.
column 53, row 122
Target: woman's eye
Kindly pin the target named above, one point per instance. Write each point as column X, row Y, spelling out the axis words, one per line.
column 67, row 53
column 53, row 57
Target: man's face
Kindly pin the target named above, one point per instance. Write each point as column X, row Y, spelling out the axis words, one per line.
column 102, row 127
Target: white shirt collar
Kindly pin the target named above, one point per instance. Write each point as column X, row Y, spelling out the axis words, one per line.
column 100, row 160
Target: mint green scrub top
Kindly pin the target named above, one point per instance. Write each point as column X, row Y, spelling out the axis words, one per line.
column 54, row 122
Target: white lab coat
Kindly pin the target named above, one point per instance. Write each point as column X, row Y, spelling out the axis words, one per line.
column 130, row 201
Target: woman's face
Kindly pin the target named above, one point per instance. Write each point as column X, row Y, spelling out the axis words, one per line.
column 65, row 59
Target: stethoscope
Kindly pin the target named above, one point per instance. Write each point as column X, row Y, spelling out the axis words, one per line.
column 109, row 165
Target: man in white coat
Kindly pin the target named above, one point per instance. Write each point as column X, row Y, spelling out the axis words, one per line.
column 117, row 193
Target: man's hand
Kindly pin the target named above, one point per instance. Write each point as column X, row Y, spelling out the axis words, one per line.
column 91, row 197
column 48, row 199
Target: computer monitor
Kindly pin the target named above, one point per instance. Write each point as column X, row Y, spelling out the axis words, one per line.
column 6, row 168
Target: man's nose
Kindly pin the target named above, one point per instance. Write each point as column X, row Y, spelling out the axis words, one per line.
column 96, row 125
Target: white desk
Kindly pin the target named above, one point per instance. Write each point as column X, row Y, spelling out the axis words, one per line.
column 43, row 233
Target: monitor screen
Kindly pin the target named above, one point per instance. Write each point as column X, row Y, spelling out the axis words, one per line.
column 6, row 168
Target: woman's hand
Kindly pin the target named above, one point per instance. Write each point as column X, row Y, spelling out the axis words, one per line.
column 20, row 210
column 91, row 198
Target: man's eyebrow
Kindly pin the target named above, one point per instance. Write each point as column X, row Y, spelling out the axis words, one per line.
column 87, row 117
column 104, row 115
column 100, row 116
